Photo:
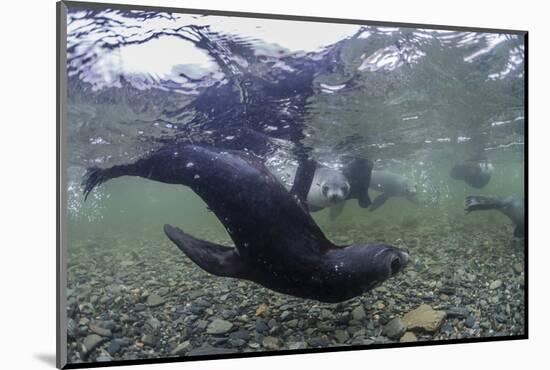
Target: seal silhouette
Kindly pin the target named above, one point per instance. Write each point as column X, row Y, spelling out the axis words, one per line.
column 513, row 207
column 277, row 243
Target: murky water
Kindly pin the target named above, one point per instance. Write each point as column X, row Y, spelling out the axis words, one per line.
column 414, row 101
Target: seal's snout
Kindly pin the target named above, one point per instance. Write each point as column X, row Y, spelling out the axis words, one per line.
column 399, row 261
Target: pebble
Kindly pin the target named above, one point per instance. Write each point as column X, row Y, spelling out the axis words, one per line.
column 90, row 343
column 458, row 312
column 262, row 310
column 114, row 348
column 341, row 336
column 181, row 348
column 394, row 329
column 408, row 337
column 100, row 331
column 495, row 284
column 104, row 357
column 154, row 300
column 261, row 326
column 207, row 349
column 359, row 313
column 297, row 345
column 270, row 343
column 424, row 318
column 219, row 326
column 149, row 339
column 470, row 322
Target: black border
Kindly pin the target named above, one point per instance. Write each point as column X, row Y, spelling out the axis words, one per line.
column 61, row 363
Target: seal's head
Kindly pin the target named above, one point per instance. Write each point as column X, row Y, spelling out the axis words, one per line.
column 387, row 260
column 335, row 189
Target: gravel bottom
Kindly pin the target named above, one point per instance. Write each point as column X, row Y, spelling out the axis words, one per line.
column 137, row 299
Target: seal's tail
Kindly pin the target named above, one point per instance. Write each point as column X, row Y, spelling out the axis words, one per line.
column 95, row 176
column 480, row 203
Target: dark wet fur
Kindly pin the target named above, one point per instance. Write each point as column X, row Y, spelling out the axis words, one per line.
column 471, row 173
column 278, row 244
column 511, row 207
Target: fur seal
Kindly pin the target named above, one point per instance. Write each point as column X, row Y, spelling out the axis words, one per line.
column 511, row 206
column 391, row 185
column 476, row 173
column 278, row 244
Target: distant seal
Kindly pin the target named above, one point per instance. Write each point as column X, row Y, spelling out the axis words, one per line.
column 278, row 244
column 331, row 188
column 328, row 188
column 512, row 207
column 476, row 173
column 391, row 185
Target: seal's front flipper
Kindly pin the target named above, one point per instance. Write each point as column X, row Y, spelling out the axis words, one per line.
column 358, row 172
column 479, row 203
column 379, row 201
column 214, row 258
column 336, row 210
column 303, row 178
column 519, row 231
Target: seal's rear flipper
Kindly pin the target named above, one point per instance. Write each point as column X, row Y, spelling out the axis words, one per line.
column 358, row 172
column 95, row 176
column 519, row 231
column 379, row 201
column 214, row 258
column 479, row 203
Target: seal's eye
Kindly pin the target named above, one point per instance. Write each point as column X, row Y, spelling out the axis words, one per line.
column 325, row 190
column 395, row 265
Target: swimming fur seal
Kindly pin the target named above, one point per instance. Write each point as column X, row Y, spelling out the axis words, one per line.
column 330, row 188
column 391, row 185
column 278, row 244
column 511, row 206
column 475, row 173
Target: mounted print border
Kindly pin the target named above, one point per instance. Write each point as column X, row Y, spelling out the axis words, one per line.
column 87, row 336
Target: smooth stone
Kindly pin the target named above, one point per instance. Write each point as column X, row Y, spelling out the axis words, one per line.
column 424, row 318
column 90, row 343
column 219, row 326
column 297, row 345
column 341, row 335
column 394, row 329
column 237, row 342
column 114, row 348
column 408, row 337
column 495, row 284
column 228, row 314
column 457, row 312
column 359, row 313
column 207, row 349
column 319, row 342
column 149, row 339
column 262, row 310
column 261, row 326
column 154, row 300
column 326, row 315
column 181, row 348
column 470, row 322
column 241, row 335
column 518, row 268
column 104, row 357
column 100, row 331
column 270, row 343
